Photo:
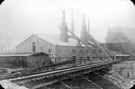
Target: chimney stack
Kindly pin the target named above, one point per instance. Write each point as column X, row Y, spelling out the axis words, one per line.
column 83, row 35
column 88, row 26
column 63, row 16
column 72, row 21
column 83, row 22
column 63, row 29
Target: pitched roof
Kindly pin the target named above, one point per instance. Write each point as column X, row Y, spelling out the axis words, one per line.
column 54, row 39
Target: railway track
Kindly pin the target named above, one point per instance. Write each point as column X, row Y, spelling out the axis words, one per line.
column 39, row 80
column 51, row 73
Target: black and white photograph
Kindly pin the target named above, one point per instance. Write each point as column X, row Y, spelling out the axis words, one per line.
column 67, row 44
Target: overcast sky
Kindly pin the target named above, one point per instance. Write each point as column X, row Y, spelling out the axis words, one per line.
column 21, row 18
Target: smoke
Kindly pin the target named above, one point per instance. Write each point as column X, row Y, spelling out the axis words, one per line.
column 121, row 39
column 121, row 33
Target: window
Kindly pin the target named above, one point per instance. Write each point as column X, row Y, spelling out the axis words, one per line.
column 49, row 50
column 33, row 46
column 93, row 51
column 87, row 51
column 59, row 50
column 81, row 50
column 100, row 51
column 66, row 50
column 74, row 50
column 88, row 59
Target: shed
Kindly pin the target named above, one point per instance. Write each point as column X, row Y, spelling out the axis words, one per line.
column 12, row 60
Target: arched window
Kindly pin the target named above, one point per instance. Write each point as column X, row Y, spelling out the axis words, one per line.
column 49, row 50
column 33, row 46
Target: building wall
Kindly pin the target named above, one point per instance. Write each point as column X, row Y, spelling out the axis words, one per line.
column 69, row 51
column 13, row 61
column 37, row 61
column 3, row 62
column 40, row 46
column 25, row 61
column 57, row 50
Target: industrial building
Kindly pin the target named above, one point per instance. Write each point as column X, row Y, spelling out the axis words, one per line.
column 60, row 46
column 121, row 39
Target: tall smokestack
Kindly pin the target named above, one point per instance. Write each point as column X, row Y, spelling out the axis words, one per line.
column 63, row 29
column 63, row 16
column 72, row 21
column 83, row 21
column 88, row 26
column 83, row 35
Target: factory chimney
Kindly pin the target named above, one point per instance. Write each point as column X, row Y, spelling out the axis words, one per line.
column 63, row 16
column 83, row 35
column 72, row 22
column 88, row 26
column 63, row 29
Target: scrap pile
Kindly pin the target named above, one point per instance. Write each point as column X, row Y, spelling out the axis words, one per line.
column 119, row 80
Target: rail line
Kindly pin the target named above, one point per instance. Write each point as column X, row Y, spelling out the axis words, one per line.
column 39, row 80
column 61, row 71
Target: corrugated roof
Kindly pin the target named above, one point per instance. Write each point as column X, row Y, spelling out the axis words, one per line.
column 54, row 39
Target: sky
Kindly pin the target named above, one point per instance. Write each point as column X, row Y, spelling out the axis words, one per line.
column 21, row 18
